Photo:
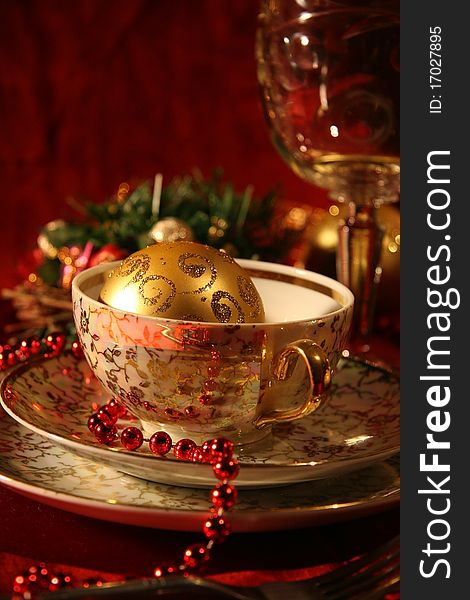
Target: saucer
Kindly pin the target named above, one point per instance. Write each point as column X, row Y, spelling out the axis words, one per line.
column 46, row 472
column 357, row 427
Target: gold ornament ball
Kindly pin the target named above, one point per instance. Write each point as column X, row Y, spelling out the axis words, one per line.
column 186, row 281
column 171, row 229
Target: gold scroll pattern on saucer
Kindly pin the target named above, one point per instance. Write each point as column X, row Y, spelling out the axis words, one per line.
column 184, row 280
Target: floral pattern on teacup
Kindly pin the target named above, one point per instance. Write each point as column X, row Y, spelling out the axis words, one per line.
column 159, row 367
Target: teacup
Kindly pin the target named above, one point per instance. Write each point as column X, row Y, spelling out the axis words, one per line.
column 201, row 380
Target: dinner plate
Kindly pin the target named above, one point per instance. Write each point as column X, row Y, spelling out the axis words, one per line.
column 36, row 467
column 357, row 427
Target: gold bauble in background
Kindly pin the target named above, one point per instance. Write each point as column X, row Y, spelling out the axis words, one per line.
column 171, row 229
column 184, row 280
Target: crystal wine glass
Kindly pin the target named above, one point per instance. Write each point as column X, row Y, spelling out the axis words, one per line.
column 329, row 75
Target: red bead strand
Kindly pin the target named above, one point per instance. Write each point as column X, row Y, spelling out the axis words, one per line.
column 184, row 448
column 226, row 469
column 217, row 451
column 224, row 495
column 160, row 443
column 132, row 438
column 103, row 424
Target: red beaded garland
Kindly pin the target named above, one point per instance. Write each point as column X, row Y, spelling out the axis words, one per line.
column 207, row 452
column 197, row 455
column 93, row 421
column 55, row 342
column 92, row 581
column 226, row 469
column 76, row 348
column 22, row 351
column 184, row 448
column 165, row 569
column 105, row 434
column 39, row 579
column 195, row 555
column 102, row 424
column 20, row 583
column 173, row 413
column 34, row 344
column 210, row 385
column 116, row 408
column 10, row 357
column 215, row 357
column 190, row 411
column 160, row 443
column 216, row 528
column 205, row 399
column 107, row 415
column 132, row 438
column 59, row 581
column 218, row 448
column 224, row 495
column 213, row 370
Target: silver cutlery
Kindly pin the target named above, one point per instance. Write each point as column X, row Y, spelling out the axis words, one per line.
column 369, row 577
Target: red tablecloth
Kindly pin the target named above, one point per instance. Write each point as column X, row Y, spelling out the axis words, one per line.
column 32, row 532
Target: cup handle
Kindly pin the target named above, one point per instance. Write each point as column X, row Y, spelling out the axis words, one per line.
column 318, row 372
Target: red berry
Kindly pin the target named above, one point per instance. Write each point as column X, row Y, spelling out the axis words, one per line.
column 216, row 528
column 184, row 448
column 160, row 443
column 224, row 495
column 132, row 438
column 195, row 555
column 226, row 469
column 104, row 433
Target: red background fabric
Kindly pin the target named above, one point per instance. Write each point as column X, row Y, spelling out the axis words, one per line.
column 96, row 92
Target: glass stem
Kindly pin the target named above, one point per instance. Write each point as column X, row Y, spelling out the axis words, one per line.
column 358, row 264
